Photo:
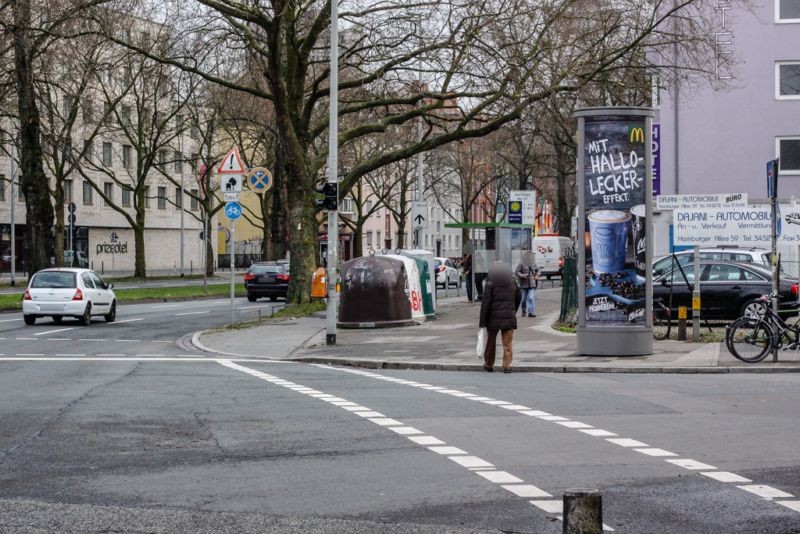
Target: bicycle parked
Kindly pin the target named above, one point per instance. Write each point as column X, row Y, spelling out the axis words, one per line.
column 661, row 319
column 752, row 337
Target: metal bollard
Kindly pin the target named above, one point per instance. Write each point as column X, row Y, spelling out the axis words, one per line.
column 583, row 511
column 682, row 314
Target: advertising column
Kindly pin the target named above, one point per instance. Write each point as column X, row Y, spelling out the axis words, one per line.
column 615, row 218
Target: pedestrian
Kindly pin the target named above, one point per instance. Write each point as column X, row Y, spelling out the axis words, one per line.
column 501, row 298
column 467, row 266
column 527, row 273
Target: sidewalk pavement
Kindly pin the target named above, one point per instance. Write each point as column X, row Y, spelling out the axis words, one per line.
column 448, row 343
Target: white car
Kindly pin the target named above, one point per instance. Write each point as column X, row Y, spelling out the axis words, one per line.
column 79, row 293
column 446, row 272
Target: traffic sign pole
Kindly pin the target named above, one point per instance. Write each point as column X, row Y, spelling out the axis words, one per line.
column 333, row 176
column 233, row 271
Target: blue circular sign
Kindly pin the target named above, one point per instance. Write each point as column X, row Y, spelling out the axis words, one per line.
column 260, row 180
column 233, row 210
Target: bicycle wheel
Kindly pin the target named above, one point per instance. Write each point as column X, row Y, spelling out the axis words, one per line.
column 660, row 322
column 750, row 340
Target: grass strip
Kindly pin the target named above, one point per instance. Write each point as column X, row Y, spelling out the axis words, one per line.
column 14, row 301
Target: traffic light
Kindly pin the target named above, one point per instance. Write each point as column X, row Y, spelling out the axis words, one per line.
column 330, row 193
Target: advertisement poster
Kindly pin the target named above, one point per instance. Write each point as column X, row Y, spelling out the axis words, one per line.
column 615, row 196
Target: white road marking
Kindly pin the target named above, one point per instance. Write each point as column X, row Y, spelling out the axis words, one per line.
column 426, row 440
column 791, row 505
column 470, row 461
column 551, row 507
column 724, row 476
column 573, row 424
column 405, row 430
column 552, row 418
column 384, row 421
column 192, row 313
column 254, row 307
column 71, row 355
column 54, row 331
column 369, row 414
column 30, row 355
column 500, row 477
column 493, row 402
column 447, row 450
column 527, row 490
column 655, row 452
column 10, row 320
column 90, row 339
column 692, row 465
column 534, row 413
column 128, row 340
column 626, row 442
column 110, row 354
column 126, row 321
column 767, row 492
column 149, row 355
column 597, row 432
column 27, row 339
column 59, row 339
column 160, row 341
column 162, row 306
column 514, row 407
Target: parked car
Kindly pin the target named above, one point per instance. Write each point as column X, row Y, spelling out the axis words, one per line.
column 756, row 256
column 59, row 293
column 267, row 279
column 446, row 272
column 728, row 290
column 550, row 251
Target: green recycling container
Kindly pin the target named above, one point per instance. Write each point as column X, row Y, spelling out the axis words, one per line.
column 425, row 284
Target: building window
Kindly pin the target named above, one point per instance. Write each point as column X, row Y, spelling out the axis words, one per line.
column 787, row 11
column 107, row 113
column 195, row 205
column 108, row 191
column 125, row 119
column 147, row 197
column 87, row 109
column 127, row 150
column 377, row 238
column 67, row 191
column 126, row 197
column 788, row 149
column 178, row 161
column 107, row 155
column 162, row 198
column 162, row 157
column 178, row 198
column 88, row 151
column 346, row 206
column 369, row 206
column 787, row 80
column 369, row 238
column 2, row 187
column 87, row 193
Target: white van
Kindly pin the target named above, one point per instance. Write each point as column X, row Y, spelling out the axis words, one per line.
column 550, row 250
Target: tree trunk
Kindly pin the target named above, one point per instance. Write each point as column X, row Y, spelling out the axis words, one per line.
column 209, row 248
column 34, row 184
column 302, row 244
column 358, row 240
column 562, row 204
column 278, row 212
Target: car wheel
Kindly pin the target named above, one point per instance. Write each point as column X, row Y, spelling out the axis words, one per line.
column 753, row 309
column 111, row 316
column 86, row 318
column 29, row 319
column 57, row 319
column 251, row 298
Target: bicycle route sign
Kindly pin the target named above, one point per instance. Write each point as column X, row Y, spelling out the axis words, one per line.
column 233, row 210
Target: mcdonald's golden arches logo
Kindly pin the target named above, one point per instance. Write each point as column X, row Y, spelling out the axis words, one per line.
column 637, row 135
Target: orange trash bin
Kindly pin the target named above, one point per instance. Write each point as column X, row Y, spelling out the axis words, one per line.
column 319, row 287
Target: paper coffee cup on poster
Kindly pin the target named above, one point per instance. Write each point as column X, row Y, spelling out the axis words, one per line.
column 608, row 231
column 639, row 230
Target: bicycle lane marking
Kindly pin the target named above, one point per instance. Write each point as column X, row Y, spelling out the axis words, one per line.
column 509, row 482
column 765, row 492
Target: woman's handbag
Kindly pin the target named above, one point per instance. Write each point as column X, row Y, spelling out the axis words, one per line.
column 480, row 349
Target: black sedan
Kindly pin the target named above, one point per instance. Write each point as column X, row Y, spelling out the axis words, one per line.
column 728, row 290
column 266, row 280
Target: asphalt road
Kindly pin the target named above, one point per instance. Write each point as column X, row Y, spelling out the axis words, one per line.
column 119, row 428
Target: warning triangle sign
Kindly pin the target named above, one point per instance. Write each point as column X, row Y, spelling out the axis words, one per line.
column 232, row 163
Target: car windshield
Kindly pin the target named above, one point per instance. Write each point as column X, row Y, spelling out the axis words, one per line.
column 53, row 280
column 266, row 269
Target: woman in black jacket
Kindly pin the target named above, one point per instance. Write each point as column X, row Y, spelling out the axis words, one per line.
column 501, row 298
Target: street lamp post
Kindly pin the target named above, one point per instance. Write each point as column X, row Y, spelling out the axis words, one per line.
column 180, row 194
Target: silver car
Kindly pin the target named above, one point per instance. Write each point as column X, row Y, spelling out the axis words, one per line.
column 79, row 293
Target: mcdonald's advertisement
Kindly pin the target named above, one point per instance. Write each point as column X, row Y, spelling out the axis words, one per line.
column 616, row 230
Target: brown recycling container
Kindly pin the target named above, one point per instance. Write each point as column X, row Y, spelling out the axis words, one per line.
column 374, row 293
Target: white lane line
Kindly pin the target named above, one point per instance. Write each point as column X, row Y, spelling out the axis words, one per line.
column 791, row 505
column 692, row 465
column 128, row 340
column 59, row 339
column 725, row 476
column 638, row 446
column 149, row 355
column 507, row 480
column 597, row 432
column 192, row 313
column 626, row 442
column 426, row 440
column 91, row 339
column 70, row 355
column 766, row 492
column 27, row 339
column 514, row 407
column 254, row 307
column 163, row 306
column 160, row 341
column 30, row 355
column 573, row 424
column 384, row 421
column 655, row 452
column 110, row 354
column 54, row 331
column 10, row 320
column 126, row 321
column 551, row 507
